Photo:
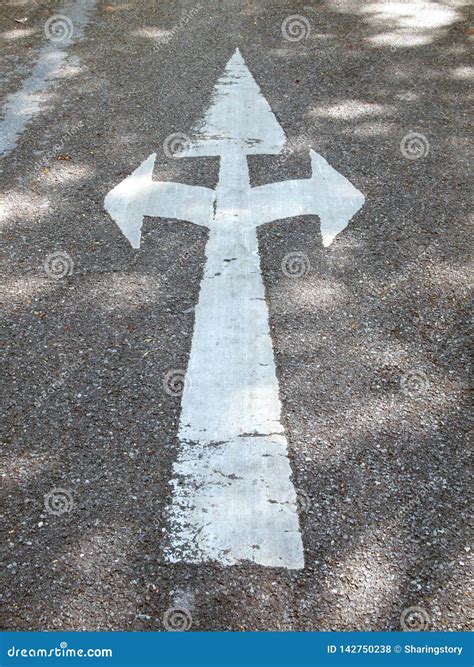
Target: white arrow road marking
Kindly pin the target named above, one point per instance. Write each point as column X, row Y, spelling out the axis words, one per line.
column 232, row 495
column 138, row 195
column 315, row 195
column 21, row 106
column 233, row 498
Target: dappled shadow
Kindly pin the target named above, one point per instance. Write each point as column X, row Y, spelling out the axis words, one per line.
column 370, row 344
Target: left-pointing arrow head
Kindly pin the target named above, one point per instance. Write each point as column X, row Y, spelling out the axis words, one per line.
column 128, row 202
column 139, row 195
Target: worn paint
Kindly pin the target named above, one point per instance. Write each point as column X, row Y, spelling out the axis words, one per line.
column 20, row 107
column 232, row 495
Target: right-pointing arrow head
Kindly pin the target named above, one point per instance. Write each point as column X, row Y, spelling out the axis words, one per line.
column 334, row 198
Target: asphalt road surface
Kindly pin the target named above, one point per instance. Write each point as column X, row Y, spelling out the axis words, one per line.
column 368, row 380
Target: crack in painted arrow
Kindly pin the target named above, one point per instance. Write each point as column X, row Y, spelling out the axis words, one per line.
column 232, row 495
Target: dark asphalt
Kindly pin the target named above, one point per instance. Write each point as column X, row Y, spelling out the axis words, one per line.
column 371, row 343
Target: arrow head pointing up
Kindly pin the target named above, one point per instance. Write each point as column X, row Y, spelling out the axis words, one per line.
column 239, row 122
column 239, row 118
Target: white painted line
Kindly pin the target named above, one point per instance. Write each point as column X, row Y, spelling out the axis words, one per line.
column 139, row 195
column 233, row 499
column 20, row 107
column 326, row 194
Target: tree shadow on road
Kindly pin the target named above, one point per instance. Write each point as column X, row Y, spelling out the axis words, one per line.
column 370, row 343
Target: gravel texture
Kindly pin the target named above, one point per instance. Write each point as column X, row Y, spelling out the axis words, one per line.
column 370, row 343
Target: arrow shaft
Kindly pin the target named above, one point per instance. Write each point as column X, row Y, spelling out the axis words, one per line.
column 232, row 387
column 178, row 201
column 284, row 199
column 232, row 494
column 233, row 499
column 233, row 190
